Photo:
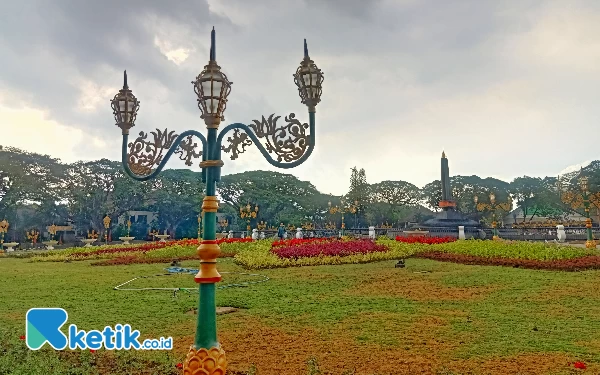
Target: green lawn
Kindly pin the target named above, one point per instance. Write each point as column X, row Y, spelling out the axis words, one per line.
column 437, row 318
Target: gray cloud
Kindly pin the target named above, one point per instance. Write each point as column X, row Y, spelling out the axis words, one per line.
column 499, row 85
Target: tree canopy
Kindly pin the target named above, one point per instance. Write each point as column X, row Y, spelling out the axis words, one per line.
column 38, row 190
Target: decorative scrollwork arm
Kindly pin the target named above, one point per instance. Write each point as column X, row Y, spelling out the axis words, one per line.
column 145, row 159
column 288, row 142
column 237, row 144
column 187, row 151
column 291, row 143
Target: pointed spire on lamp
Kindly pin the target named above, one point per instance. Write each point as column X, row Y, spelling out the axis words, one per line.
column 305, row 50
column 443, row 155
column 125, row 87
column 213, row 52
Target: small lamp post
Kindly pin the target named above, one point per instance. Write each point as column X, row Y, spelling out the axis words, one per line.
column 493, row 206
column 52, row 229
column 106, row 221
column 353, row 208
column 248, row 213
column 33, row 236
column 578, row 200
column 3, row 229
column 291, row 144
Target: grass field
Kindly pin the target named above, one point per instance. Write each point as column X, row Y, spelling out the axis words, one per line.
column 428, row 318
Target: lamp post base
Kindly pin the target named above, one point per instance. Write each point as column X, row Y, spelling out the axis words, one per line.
column 590, row 244
column 206, row 362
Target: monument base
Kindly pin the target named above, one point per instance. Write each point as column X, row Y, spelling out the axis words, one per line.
column 449, row 219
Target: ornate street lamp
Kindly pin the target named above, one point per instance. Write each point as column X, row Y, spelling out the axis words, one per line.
column 353, row 208
column 578, row 200
column 248, row 213
column 3, row 229
column 290, row 144
column 493, row 206
column 106, row 221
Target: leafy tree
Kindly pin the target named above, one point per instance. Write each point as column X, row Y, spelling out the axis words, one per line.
column 176, row 195
column 91, row 187
column 280, row 197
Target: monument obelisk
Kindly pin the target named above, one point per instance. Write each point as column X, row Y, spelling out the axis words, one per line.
column 449, row 217
column 447, row 203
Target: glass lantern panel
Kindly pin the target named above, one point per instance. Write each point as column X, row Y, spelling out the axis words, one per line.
column 211, row 105
column 130, row 105
column 122, row 104
column 206, row 88
column 306, row 77
column 314, row 79
column 216, row 91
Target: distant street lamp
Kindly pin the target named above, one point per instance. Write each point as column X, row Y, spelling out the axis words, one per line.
column 493, row 206
column 143, row 159
column 106, row 226
column 353, row 208
column 578, row 200
column 3, row 229
column 247, row 213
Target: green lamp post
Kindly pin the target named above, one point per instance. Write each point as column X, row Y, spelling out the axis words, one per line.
column 352, row 208
column 493, row 206
column 578, row 200
column 143, row 159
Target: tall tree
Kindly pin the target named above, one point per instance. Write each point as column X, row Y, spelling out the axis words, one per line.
column 280, row 197
column 176, row 197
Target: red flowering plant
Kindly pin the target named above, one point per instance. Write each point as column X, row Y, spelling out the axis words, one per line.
column 329, row 248
column 425, row 240
column 297, row 241
column 580, row 365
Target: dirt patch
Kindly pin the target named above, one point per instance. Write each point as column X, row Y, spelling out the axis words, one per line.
column 277, row 352
column 526, row 364
column 580, row 290
column 249, row 341
column 417, row 287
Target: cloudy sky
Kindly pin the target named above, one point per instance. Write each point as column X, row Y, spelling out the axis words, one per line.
column 506, row 88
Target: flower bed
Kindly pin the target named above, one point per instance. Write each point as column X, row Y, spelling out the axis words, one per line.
column 261, row 254
column 298, row 241
column 574, row 264
column 425, row 240
column 329, row 248
column 181, row 248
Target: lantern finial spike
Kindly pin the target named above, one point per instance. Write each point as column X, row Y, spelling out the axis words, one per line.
column 305, row 49
column 213, row 54
column 125, row 80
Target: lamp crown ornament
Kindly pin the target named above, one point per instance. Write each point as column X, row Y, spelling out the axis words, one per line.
column 309, row 79
column 212, row 87
column 125, row 107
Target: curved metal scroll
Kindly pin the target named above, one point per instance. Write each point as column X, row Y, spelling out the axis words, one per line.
column 143, row 154
column 289, row 142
